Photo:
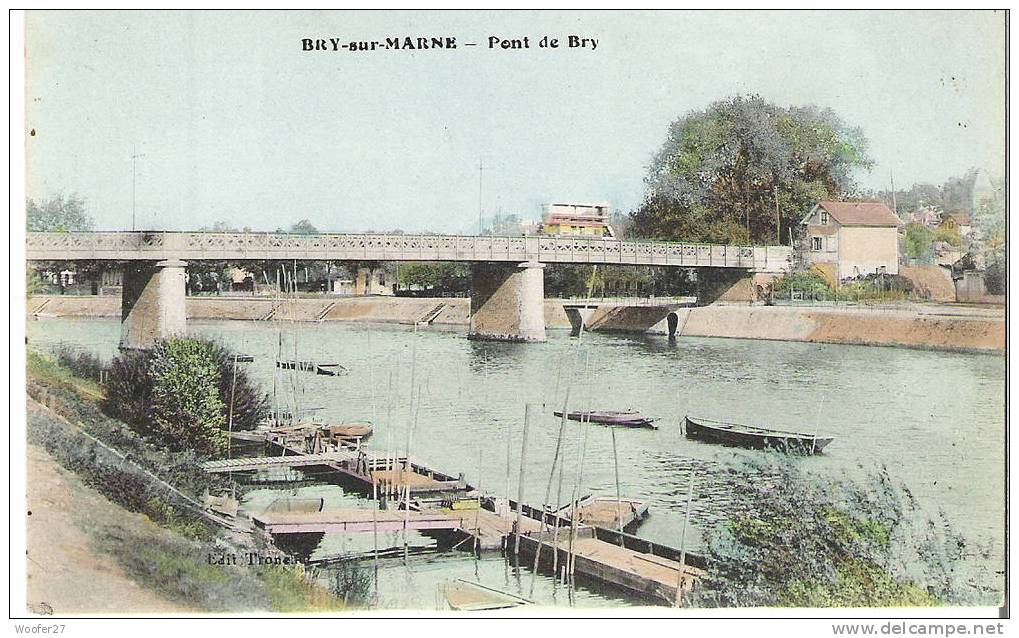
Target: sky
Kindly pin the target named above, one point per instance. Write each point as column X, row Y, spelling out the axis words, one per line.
column 232, row 121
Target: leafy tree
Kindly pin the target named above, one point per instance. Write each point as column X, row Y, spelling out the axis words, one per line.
column 721, row 172
column 956, row 195
column 249, row 404
column 219, row 227
column 187, row 408
column 444, row 276
column 949, row 235
column 34, row 283
column 577, row 280
column 917, row 240
column 567, row 280
column 303, row 227
column 58, row 214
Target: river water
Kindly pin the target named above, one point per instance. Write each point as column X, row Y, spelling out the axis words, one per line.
column 934, row 419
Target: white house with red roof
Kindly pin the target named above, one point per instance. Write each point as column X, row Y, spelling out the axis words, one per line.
column 856, row 238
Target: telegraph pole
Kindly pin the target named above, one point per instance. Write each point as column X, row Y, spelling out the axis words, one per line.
column 895, row 206
column 134, row 182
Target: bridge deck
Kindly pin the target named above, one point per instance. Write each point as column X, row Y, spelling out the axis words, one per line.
column 142, row 245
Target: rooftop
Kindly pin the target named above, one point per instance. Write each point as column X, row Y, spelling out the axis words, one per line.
column 861, row 213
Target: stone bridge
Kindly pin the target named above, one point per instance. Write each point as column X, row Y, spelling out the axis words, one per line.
column 507, row 287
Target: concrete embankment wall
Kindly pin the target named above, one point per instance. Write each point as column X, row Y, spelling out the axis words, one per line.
column 886, row 327
column 403, row 310
column 864, row 327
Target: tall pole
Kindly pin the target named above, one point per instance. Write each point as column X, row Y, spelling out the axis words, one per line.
column 230, row 422
column 528, row 410
column 619, row 500
column 134, row 180
column 895, row 206
column 778, row 219
column 682, row 542
column 481, row 172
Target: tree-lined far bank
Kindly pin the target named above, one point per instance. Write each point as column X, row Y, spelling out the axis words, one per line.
column 744, row 170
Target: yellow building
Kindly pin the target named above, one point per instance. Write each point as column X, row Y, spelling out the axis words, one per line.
column 578, row 220
column 857, row 238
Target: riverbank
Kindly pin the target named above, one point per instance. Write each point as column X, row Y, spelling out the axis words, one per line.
column 66, row 573
column 931, row 326
column 106, row 531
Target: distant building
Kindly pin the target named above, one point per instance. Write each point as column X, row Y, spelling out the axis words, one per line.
column 858, row 238
column 945, row 254
column 377, row 281
column 578, row 220
column 241, row 280
column 929, row 216
column 343, row 287
column 962, row 223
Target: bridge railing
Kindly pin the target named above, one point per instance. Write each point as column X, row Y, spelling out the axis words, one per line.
column 397, row 247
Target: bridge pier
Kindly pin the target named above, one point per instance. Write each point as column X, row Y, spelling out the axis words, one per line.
column 152, row 303
column 507, row 301
column 580, row 318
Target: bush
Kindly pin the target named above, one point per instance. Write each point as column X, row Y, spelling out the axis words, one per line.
column 116, row 478
column 195, row 377
column 797, row 539
column 809, row 282
column 250, row 404
column 876, row 287
column 994, row 275
column 129, row 390
column 178, row 569
column 83, row 364
column 187, row 409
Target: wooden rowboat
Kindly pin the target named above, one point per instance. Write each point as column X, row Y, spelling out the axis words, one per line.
column 465, row 595
column 348, row 431
column 751, row 436
column 327, row 369
column 608, row 417
column 607, row 511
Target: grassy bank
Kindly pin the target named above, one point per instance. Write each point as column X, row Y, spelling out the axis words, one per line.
column 167, row 553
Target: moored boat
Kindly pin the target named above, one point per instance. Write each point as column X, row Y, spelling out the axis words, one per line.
column 347, row 431
column 330, row 369
column 751, row 436
column 327, row 369
column 464, row 595
column 608, row 417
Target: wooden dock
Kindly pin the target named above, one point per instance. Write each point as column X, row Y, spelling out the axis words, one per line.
column 654, row 577
column 435, row 503
column 487, row 528
column 247, row 464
